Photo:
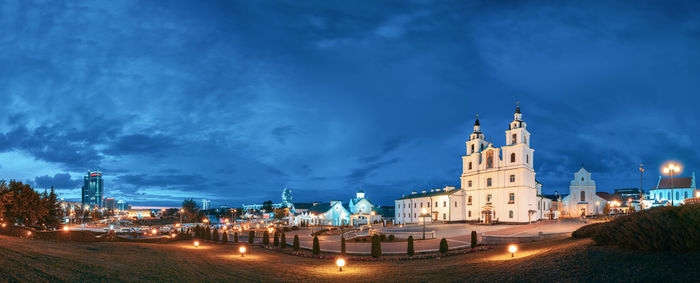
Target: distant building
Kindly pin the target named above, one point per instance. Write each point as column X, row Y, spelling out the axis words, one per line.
column 683, row 188
column 328, row 213
column 363, row 210
column 110, row 204
column 93, row 189
column 122, row 205
column 206, row 204
column 438, row 204
column 582, row 199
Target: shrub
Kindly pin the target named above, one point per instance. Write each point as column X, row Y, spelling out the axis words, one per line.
column 276, row 242
column 207, row 234
column 342, row 245
column 215, row 235
column 286, row 229
column 443, row 245
column 364, row 239
column 376, row 247
column 357, row 239
column 317, row 247
column 235, row 237
column 283, row 241
column 409, row 249
column 382, row 237
column 294, row 228
column 656, row 229
column 266, row 238
column 224, row 237
column 391, row 238
column 295, row 245
column 587, row 231
column 474, row 239
column 251, row 237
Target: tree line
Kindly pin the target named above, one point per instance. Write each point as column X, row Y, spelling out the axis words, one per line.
column 21, row 205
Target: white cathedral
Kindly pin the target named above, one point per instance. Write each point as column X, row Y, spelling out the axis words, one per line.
column 497, row 184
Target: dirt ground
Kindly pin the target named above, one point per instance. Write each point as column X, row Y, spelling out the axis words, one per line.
column 556, row 260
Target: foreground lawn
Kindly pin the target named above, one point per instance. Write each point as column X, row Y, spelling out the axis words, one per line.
column 556, row 260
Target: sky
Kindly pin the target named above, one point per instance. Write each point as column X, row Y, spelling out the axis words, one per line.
column 233, row 101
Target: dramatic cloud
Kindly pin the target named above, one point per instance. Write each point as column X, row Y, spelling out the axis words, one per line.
column 235, row 100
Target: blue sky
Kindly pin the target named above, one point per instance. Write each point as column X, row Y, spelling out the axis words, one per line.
column 235, row 100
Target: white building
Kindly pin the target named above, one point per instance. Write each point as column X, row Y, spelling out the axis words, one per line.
column 582, row 199
column 497, row 184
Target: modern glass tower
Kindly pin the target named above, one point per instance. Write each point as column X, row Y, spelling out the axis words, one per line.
column 93, row 189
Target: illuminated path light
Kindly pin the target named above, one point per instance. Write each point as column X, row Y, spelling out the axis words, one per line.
column 242, row 250
column 196, row 244
column 340, row 263
column 512, row 249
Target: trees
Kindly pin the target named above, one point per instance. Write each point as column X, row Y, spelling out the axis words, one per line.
column 224, row 237
column 316, row 247
column 266, row 238
column 251, row 237
column 235, row 237
column 281, row 213
column 474, row 239
column 376, row 247
column 606, row 209
column 283, row 241
column 20, row 203
column 409, row 249
column 267, row 206
column 443, row 245
column 342, row 245
column 207, row 234
column 295, row 245
column 276, row 242
column 215, row 235
column 189, row 207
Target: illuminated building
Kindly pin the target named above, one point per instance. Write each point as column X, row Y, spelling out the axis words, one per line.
column 93, row 189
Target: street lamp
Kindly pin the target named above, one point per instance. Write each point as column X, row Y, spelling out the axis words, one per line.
column 196, row 244
column 340, row 263
column 424, row 212
column 512, row 249
column 670, row 170
column 241, row 250
column 181, row 211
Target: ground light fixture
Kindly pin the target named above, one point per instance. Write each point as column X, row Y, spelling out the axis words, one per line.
column 65, row 228
column 3, row 225
column 29, row 233
column 512, row 249
column 154, row 231
column 340, row 263
column 196, row 244
column 241, row 250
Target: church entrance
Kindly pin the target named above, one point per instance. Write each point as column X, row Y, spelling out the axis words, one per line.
column 583, row 212
column 487, row 216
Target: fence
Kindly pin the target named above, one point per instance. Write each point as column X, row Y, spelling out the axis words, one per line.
column 405, row 235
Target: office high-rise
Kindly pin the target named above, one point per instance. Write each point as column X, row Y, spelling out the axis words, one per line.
column 93, row 189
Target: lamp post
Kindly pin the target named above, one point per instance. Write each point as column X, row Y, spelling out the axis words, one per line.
column 312, row 224
column 641, row 186
column 241, row 250
column 181, row 211
column 512, row 249
column 423, row 213
column 340, row 262
column 670, row 170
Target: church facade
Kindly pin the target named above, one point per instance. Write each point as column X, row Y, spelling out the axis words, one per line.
column 497, row 184
column 582, row 199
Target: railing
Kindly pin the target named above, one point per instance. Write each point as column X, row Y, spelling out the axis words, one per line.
column 351, row 234
column 405, row 235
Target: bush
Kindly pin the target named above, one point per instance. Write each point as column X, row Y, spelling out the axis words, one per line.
column 391, row 238
column 474, row 238
column 295, row 245
column 235, row 237
column 215, row 235
column 382, row 237
column 342, row 245
column 207, row 234
column 266, row 238
column 409, row 249
column 294, row 228
column 443, row 245
column 251, row 237
column 283, row 241
column 286, row 229
column 656, row 229
column 276, row 242
column 587, row 231
column 224, row 237
column 317, row 247
column 376, row 247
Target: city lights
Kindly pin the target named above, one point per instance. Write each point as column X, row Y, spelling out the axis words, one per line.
column 340, row 263
column 512, row 249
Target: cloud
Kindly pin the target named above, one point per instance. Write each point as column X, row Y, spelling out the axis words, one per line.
column 58, row 181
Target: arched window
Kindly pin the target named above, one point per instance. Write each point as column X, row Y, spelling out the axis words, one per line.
column 470, row 166
column 512, row 157
column 510, row 214
column 583, row 196
column 677, row 195
column 527, row 159
column 488, row 198
column 472, row 149
column 525, row 139
column 668, row 195
column 488, row 182
column 514, row 140
column 470, row 183
column 685, row 195
column 489, row 159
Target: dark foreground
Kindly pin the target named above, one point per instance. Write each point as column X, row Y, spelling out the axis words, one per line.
column 557, row 260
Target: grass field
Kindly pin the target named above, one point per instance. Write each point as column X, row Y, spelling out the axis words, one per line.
column 556, row 260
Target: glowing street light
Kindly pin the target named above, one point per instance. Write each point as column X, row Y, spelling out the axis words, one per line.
column 4, row 225
column 670, row 170
column 340, row 263
column 241, row 250
column 196, row 244
column 29, row 233
column 65, row 228
column 154, row 231
column 173, row 235
column 512, row 249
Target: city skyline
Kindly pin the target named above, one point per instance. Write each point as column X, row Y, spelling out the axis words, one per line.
column 234, row 101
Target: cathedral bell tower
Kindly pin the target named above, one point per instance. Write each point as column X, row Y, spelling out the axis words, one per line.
column 476, row 140
column 517, row 150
